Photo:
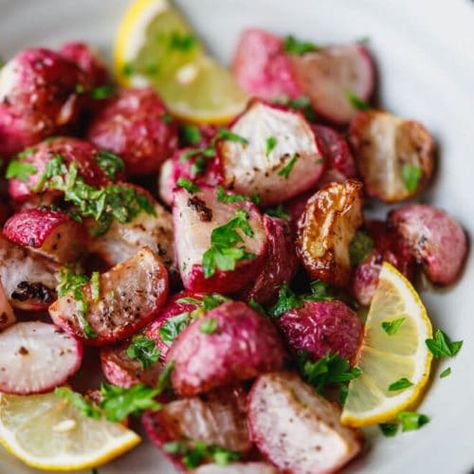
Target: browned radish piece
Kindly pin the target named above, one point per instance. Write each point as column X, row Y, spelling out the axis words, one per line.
column 340, row 164
column 395, row 157
column 122, row 241
column 261, row 66
column 71, row 150
column 228, row 344
column 322, row 327
column 50, row 233
column 130, row 296
column 122, row 370
column 297, row 429
column 326, row 229
column 135, row 124
column 277, row 157
column 435, row 239
column 166, row 182
column 36, row 357
column 280, row 265
column 330, row 75
column 29, row 280
column 237, row 468
column 7, row 316
column 197, row 217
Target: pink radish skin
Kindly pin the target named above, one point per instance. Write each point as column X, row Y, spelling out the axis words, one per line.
column 322, row 327
column 237, row 468
column 328, row 75
column 36, row 357
column 296, row 429
column 293, row 166
column 243, row 345
column 132, row 125
column 71, row 150
column 131, row 294
column 262, row 68
column 195, row 216
column 7, row 316
column 280, row 265
column 434, row 238
column 50, row 233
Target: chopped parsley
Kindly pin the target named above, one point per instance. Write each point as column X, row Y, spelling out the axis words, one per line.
column 360, row 247
column 411, row 420
column 166, row 118
column 110, row 163
column 392, row 327
column 173, row 327
column 287, row 169
column 296, row 47
column 222, row 196
column 257, row 307
column 188, row 185
column 20, row 170
column 95, row 287
column 223, row 253
column 127, row 69
column 389, row 429
column 209, row 326
column 445, row 373
column 189, row 135
column 227, row 135
column 84, row 406
column 270, row 145
column 301, row 103
column 441, row 345
column 144, row 350
column 102, row 92
column 182, row 41
column 411, row 176
column 400, row 384
column 320, row 291
column 278, row 211
column 357, row 102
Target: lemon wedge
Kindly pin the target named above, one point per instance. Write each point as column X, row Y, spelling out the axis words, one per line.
column 46, row 432
column 155, row 46
column 394, row 358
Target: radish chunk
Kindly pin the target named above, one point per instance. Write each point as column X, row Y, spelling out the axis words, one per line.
column 321, row 328
column 329, row 77
column 434, row 238
column 7, row 316
column 237, row 468
column 326, row 229
column 297, row 429
column 395, row 156
column 50, row 233
column 36, row 357
column 129, row 297
column 29, row 280
column 277, row 157
column 220, row 246
column 228, row 344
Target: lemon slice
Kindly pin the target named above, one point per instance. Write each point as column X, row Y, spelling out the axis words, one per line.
column 156, row 47
column 48, row 433
column 385, row 359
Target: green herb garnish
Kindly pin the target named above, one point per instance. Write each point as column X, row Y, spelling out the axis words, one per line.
column 95, row 287
column 190, row 135
column 411, row 420
column 19, row 170
column 102, row 92
column 209, row 326
column 182, row 41
column 287, row 169
column 388, row 429
column 441, row 345
column 411, row 176
column 392, row 327
column 110, row 163
column 84, row 406
column 270, row 145
column 144, row 350
column 188, row 185
column 227, row 135
column 296, row 47
column 400, row 384
column 360, row 247
column 173, row 327
column 357, row 102
column 278, row 211
column 222, row 196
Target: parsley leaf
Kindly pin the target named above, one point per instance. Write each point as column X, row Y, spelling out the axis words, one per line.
column 388, row 429
column 411, row 420
column 231, row 136
column 222, row 196
column 102, row 92
column 143, row 349
column 95, row 286
column 271, row 143
column 320, row 291
column 360, row 248
column 301, row 103
column 296, row 47
column 189, row 135
column 278, row 211
column 182, row 41
column 110, row 163
column 287, row 300
column 213, row 300
column 173, row 326
column 286, row 170
column 392, row 327
column 357, row 102
column 209, row 326
column 188, row 185
column 441, row 345
column 84, row 406
column 257, row 307
column 19, row 170
column 400, row 384
column 445, row 373
column 411, row 176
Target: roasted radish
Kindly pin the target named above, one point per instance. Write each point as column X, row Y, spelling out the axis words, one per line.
column 50, row 233
column 120, row 303
column 166, row 182
column 326, row 229
column 333, row 78
column 395, row 156
column 276, row 154
column 434, row 238
column 322, row 327
column 220, row 246
column 237, row 468
column 297, row 429
column 228, row 344
column 7, row 316
column 36, row 357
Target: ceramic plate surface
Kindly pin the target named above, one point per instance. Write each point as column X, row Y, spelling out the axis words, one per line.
column 424, row 50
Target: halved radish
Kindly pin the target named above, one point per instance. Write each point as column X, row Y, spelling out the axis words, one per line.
column 50, row 233
column 279, row 159
column 130, row 296
column 237, row 468
column 297, row 429
column 29, row 279
column 7, row 316
column 35, row 357
column 166, row 182
column 196, row 216
column 228, row 344
column 328, row 77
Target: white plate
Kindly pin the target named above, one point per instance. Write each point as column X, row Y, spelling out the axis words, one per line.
column 425, row 54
